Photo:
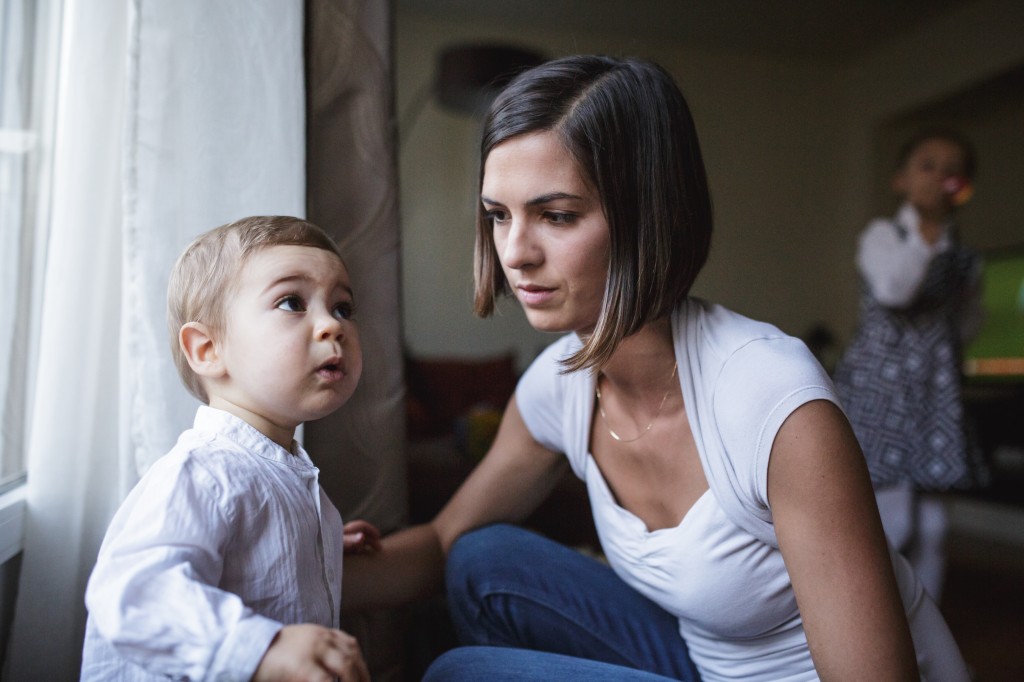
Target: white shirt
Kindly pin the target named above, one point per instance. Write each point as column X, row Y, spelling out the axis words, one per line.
column 225, row 539
column 719, row 571
column 893, row 262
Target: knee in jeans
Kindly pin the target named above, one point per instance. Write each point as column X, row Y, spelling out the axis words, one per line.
column 470, row 554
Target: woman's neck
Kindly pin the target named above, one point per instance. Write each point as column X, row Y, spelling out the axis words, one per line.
column 642, row 360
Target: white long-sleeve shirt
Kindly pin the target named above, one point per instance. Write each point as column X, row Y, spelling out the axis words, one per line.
column 893, row 264
column 224, row 540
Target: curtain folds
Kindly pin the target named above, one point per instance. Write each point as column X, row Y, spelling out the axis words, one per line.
column 173, row 118
column 352, row 190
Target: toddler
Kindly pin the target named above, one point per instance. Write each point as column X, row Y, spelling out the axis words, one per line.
column 899, row 379
column 225, row 560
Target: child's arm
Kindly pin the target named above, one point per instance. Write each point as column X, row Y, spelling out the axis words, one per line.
column 302, row 652
column 893, row 265
column 153, row 596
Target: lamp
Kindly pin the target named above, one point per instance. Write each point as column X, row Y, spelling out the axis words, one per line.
column 468, row 77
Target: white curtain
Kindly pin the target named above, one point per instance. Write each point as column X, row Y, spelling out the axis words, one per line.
column 174, row 117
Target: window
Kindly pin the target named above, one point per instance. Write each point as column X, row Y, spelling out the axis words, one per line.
column 29, row 42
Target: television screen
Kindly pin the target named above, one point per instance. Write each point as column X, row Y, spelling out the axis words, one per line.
column 998, row 350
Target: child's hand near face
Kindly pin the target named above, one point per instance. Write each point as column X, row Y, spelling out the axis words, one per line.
column 312, row 653
column 361, row 537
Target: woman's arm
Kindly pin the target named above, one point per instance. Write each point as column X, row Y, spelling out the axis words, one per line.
column 515, row 476
column 830, row 534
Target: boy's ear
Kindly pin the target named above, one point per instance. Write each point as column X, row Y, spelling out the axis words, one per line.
column 200, row 349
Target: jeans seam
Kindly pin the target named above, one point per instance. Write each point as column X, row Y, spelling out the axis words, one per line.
column 491, row 593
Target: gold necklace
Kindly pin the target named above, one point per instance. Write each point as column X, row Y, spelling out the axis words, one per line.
column 600, row 408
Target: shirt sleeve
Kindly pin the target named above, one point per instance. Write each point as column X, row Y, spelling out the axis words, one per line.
column 540, row 396
column 760, row 385
column 152, row 595
column 893, row 262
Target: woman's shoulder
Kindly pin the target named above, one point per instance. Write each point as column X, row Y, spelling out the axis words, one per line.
column 717, row 330
column 748, row 357
column 545, row 373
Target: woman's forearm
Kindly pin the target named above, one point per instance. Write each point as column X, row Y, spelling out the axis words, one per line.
column 410, row 566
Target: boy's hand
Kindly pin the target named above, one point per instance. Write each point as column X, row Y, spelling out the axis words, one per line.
column 361, row 537
column 312, row 653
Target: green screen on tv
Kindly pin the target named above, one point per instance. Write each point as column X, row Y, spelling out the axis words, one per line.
column 998, row 350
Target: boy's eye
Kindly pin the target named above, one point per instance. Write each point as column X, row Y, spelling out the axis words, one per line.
column 344, row 311
column 292, row 304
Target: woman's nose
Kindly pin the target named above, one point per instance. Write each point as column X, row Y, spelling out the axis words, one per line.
column 519, row 249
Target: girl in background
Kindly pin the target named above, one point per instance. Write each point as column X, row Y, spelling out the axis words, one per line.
column 900, row 379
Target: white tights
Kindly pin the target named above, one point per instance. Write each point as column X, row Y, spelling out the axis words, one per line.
column 916, row 525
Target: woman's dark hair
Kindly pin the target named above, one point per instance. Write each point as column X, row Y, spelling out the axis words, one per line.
column 950, row 135
column 629, row 130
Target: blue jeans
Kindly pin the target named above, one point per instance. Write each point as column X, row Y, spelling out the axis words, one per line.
column 509, row 587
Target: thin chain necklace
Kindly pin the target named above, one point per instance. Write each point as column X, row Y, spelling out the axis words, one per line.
column 600, row 408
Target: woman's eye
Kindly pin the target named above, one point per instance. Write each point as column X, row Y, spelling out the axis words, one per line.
column 560, row 218
column 496, row 216
column 292, row 304
column 344, row 311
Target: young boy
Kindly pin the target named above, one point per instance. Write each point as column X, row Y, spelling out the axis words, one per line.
column 225, row 560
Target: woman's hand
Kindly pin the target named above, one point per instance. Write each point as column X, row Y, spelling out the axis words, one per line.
column 361, row 537
column 512, row 480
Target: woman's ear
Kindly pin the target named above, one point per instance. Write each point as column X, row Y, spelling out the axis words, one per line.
column 200, row 349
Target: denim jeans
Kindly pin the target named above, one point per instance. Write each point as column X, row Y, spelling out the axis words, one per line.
column 509, row 587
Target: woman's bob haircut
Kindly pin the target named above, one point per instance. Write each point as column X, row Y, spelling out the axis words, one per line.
column 629, row 130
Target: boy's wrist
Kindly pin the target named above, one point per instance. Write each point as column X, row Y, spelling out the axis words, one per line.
column 241, row 652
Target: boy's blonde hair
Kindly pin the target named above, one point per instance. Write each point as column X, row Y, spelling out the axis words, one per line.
column 204, row 276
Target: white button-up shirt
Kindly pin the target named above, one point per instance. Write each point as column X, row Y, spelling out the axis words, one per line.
column 224, row 540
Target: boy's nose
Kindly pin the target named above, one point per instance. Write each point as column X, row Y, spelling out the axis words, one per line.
column 329, row 327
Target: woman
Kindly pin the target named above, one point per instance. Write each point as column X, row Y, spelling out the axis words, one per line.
column 729, row 494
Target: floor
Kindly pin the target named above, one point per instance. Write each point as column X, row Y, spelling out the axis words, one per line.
column 984, row 602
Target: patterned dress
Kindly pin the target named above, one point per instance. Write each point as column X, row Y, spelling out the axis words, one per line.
column 899, row 379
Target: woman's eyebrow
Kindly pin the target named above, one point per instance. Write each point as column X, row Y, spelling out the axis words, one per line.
column 553, row 196
column 542, row 199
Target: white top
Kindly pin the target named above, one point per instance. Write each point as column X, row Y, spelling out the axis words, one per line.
column 226, row 538
column 719, row 571
column 894, row 267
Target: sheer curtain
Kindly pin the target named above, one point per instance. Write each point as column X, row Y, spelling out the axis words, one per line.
column 174, row 117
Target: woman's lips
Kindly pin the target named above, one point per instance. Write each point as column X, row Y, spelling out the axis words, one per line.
column 533, row 295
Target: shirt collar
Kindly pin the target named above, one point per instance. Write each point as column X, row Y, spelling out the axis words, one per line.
column 211, row 419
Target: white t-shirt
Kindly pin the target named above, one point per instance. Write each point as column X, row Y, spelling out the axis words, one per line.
column 225, row 539
column 719, row 571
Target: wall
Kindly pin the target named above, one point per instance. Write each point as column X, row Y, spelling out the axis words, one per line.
column 767, row 130
column 963, row 68
column 791, row 149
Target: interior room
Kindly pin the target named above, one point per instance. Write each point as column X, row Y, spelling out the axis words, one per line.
column 801, row 113
column 801, row 107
